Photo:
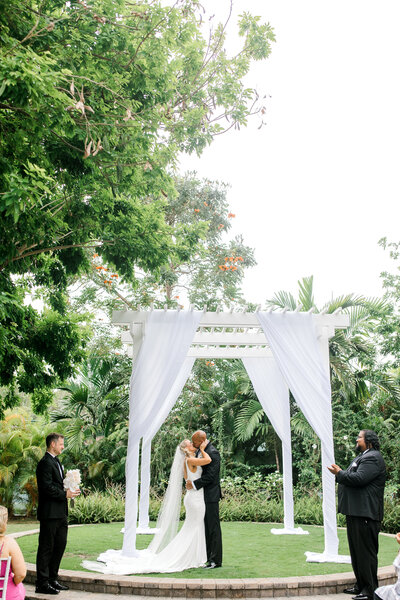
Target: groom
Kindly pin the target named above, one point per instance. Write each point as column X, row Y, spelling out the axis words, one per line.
column 52, row 513
column 212, row 495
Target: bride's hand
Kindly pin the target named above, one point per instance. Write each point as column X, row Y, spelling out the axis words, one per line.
column 204, row 444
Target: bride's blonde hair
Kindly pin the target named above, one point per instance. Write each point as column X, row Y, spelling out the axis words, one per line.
column 183, row 447
column 3, row 519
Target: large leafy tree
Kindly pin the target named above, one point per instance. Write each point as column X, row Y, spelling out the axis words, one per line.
column 207, row 267
column 96, row 101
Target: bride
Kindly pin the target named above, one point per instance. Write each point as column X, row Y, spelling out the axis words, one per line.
column 169, row 551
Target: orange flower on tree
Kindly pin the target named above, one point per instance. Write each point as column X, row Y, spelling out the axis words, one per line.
column 196, row 210
column 231, row 215
column 220, row 226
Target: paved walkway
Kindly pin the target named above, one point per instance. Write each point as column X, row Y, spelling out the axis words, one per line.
column 77, row 595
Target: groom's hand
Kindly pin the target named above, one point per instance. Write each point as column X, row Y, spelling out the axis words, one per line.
column 189, row 485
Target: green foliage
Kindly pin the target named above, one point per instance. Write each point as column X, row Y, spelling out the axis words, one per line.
column 361, row 384
column 95, row 104
column 94, row 415
column 37, row 349
column 99, row 507
column 203, row 265
column 242, row 501
column 21, row 447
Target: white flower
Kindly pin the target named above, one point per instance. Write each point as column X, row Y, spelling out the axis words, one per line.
column 314, row 446
column 72, row 480
column 345, row 437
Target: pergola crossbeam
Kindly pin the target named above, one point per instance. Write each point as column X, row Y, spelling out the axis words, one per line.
column 230, row 320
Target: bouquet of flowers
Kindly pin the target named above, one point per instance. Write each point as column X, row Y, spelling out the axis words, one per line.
column 72, row 481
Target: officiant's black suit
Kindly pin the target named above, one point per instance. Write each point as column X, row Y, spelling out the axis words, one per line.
column 209, row 480
column 360, row 495
column 52, row 513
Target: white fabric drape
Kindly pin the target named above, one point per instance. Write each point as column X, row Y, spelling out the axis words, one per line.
column 168, row 335
column 293, row 340
column 159, row 419
column 273, row 395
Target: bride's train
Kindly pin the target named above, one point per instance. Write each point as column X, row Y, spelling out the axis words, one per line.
column 169, row 551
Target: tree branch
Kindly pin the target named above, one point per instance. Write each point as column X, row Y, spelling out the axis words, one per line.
column 16, row 108
column 54, row 248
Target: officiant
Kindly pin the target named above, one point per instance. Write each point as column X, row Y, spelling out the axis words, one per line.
column 52, row 513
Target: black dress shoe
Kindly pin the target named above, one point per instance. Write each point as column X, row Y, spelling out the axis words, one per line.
column 361, row 597
column 213, row 565
column 59, row 586
column 46, row 588
column 352, row 590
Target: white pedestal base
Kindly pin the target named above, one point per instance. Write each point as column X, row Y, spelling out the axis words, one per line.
column 324, row 557
column 289, row 531
column 144, row 530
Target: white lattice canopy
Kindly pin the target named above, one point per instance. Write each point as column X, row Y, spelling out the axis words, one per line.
column 280, row 352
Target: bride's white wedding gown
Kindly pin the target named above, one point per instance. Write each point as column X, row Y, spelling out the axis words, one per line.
column 185, row 551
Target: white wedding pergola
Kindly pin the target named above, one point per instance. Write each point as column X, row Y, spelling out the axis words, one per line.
column 280, row 351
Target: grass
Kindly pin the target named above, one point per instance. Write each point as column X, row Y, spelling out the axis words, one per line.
column 14, row 526
column 250, row 550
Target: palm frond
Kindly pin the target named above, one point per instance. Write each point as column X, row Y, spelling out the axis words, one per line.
column 306, row 296
column 282, row 300
column 247, row 420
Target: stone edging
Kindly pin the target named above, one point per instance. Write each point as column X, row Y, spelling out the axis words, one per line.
column 308, row 585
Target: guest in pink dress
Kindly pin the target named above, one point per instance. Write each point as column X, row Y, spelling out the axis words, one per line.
column 9, row 547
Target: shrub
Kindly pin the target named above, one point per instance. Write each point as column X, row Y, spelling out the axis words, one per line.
column 99, row 507
column 255, row 504
column 262, row 487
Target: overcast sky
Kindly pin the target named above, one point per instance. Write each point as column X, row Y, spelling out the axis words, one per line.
column 318, row 186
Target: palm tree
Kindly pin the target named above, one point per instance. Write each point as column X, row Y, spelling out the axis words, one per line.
column 355, row 375
column 352, row 353
column 94, row 411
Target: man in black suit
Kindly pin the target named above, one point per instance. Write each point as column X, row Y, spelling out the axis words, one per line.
column 360, row 495
column 212, row 495
column 52, row 513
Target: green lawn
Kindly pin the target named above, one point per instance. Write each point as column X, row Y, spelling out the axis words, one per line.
column 250, row 550
column 22, row 525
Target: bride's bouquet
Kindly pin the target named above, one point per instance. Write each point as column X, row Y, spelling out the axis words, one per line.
column 72, row 481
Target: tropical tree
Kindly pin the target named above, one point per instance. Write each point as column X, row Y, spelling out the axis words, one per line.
column 96, row 102
column 206, row 267
column 94, row 416
column 21, row 447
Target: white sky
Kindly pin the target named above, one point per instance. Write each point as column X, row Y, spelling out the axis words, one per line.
column 318, row 186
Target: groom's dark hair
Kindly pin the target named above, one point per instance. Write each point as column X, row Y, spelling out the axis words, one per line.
column 53, row 437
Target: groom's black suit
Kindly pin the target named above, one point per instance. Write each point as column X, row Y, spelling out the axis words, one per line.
column 360, row 495
column 52, row 513
column 212, row 495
